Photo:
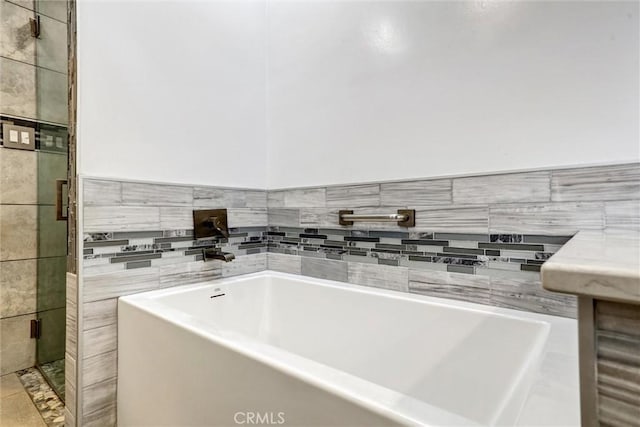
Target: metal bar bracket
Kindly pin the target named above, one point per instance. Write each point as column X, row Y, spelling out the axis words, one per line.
column 404, row 217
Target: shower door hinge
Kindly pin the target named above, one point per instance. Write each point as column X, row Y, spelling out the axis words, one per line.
column 35, row 26
column 36, row 328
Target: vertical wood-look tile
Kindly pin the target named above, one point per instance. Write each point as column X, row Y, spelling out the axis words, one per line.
column 71, row 287
column 71, row 329
column 70, row 406
column 70, row 374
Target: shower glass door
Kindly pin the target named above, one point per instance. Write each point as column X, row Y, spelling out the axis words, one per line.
column 52, row 137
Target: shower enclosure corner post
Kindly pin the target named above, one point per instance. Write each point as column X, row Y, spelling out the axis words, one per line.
column 72, row 280
column 72, row 246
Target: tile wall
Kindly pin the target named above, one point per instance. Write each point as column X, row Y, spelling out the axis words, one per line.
column 33, row 72
column 479, row 239
column 139, row 237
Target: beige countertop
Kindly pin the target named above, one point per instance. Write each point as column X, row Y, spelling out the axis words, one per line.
column 597, row 264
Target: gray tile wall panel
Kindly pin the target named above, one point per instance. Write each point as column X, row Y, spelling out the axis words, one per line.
column 546, row 218
column 528, row 295
column 284, row 263
column 545, row 203
column 352, row 196
column 284, row 216
column 622, row 215
column 442, row 284
column 106, row 193
column 324, row 269
column 121, row 218
column 298, row 198
column 596, row 184
column 246, row 217
column 379, row 276
column 416, row 193
column 140, row 194
column 459, row 219
column 245, row 264
column 507, row 188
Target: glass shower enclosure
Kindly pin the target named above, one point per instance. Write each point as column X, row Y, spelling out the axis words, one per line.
column 50, row 21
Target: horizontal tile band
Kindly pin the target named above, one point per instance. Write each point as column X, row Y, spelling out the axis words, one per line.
column 373, row 246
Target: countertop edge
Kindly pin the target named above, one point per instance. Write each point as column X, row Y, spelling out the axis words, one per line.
column 571, row 271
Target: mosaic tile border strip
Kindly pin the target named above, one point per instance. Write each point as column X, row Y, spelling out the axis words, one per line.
column 44, row 398
column 452, row 252
column 139, row 249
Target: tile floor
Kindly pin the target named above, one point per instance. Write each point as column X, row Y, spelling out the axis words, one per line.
column 16, row 407
column 26, row 400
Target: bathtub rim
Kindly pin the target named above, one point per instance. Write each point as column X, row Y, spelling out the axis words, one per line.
column 352, row 388
column 398, row 295
column 356, row 390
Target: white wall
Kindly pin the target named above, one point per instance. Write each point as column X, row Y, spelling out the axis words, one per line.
column 357, row 91
column 362, row 91
column 172, row 91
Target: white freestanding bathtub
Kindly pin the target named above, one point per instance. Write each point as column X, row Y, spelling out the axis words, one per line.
column 274, row 348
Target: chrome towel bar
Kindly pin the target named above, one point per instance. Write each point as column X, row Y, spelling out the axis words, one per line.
column 404, row 217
